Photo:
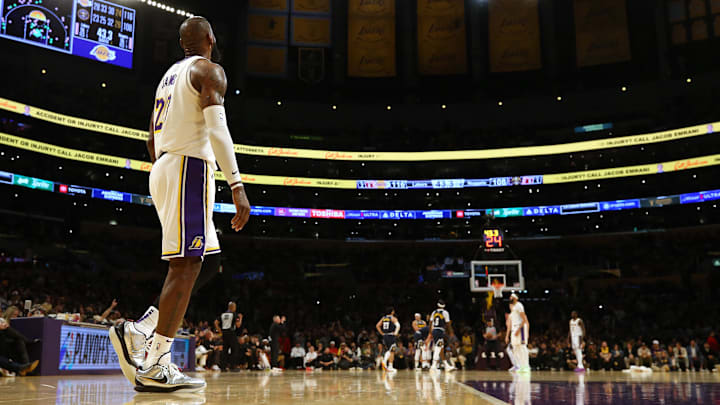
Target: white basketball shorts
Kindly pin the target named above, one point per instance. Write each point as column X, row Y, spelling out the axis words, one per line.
column 522, row 338
column 183, row 191
column 576, row 341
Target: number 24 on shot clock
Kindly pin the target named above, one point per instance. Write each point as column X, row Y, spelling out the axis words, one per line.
column 493, row 240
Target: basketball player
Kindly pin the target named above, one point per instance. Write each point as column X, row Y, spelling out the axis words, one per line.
column 508, row 349
column 421, row 333
column 519, row 334
column 577, row 331
column 389, row 327
column 188, row 134
column 439, row 320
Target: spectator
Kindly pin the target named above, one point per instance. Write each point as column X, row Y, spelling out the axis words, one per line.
column 13, row 345
column 467, row 345
column 680, row 357
column 401, row 357
column 311, row 358
column 492, row 345
column 326, row 360
column 713, row 343
column 297, row 354
column 645, row 357
column 333, row 348
column 709, row 356
column 345, row 358
column 695, row 357
column 605, row 356
column 618, row 362
column 631, row 358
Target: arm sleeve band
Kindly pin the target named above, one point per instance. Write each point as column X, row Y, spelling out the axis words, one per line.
column 397, row 327
column 221, row 142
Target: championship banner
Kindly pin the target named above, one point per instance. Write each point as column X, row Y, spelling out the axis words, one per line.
column 310, row 31
column 311, row 7
column 697, row 8
column 438, row 8
column 371, row 47
column 270, row 61
column 441, row 37
column 699, row 30
column 268, row 28
column 514, row 35
column 501, row 153
column 268, row 5
column 372, row 8
column 601, row 32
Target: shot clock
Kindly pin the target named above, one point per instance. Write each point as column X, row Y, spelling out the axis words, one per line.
column 493, row 240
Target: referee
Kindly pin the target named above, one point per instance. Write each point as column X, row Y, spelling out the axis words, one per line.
column 227, row 323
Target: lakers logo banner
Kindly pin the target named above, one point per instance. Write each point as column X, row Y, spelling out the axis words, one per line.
column 441, row 37
column 514, row 31
column 311, row 6
column 267, row 60
column 269, row 5
column 371, row 8
column 371, row 38
column 310, row 31
column 267, row 28
column 601, row 32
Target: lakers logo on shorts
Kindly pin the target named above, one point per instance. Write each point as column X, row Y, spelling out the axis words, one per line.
column 197, row 243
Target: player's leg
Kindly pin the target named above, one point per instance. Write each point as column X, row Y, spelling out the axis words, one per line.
column 438, row 349
column 511, row 355
column 418, row 351
column 185, row 250
column 577, row 348
column 524, row 354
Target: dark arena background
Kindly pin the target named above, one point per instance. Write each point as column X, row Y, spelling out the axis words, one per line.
column 395, row 153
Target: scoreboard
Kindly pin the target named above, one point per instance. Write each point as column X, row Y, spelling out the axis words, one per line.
column 94, row 29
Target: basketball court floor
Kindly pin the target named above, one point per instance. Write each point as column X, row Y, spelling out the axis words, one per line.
column 372, row 387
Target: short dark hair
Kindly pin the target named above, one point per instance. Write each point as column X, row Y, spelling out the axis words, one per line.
column 389, row 309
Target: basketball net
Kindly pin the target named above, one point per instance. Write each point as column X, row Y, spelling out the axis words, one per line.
column 497, row 289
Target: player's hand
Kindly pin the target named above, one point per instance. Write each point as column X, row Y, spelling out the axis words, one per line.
column 517, row 332
column 114, row 303
column 242, row 209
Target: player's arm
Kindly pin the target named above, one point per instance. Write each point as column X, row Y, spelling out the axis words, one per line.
column 397, row 325
column 150, row 143
column 210, row 81
column 415, row 327
column 582, row 325
column 377, row 326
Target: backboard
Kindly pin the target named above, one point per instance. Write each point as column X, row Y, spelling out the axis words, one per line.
column 486, row 273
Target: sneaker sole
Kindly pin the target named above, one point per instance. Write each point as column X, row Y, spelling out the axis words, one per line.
column 179, row 388
column 128, row 370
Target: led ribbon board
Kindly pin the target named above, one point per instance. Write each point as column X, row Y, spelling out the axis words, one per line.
column 133, row 164
column 289, row 212
column 631, row 140
column 93, row 29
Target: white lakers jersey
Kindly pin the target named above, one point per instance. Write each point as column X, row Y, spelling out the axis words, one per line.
column 515, row 318
column 575, row 328
column 178, row 122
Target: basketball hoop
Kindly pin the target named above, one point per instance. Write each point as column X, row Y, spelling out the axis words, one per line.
column 497, row 290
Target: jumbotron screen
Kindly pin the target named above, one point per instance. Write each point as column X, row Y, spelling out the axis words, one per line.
column 94, row 29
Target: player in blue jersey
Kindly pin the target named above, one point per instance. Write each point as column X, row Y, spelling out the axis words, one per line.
column 388, row 327
column 421, row 333
column 439, row 321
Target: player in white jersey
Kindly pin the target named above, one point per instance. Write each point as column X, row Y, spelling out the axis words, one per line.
column 520, row 327
column 575, row 335
column 508, row 349
column 188, row 134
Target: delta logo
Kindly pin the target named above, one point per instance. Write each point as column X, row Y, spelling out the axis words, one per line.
column 103, row 53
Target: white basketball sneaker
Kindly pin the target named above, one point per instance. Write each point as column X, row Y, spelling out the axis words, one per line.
column 166, row 378
column 130, row 345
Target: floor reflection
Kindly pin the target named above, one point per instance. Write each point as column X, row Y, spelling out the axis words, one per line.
column 522, row 390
